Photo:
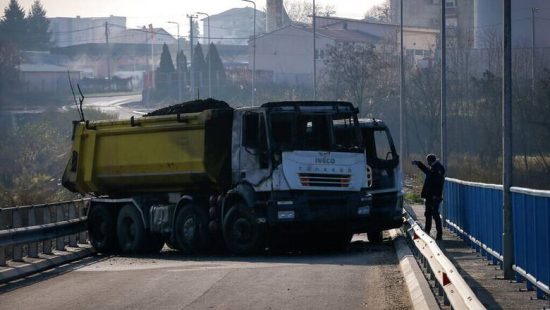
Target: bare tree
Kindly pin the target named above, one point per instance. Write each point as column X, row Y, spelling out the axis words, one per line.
column 300, row 11
column 379, row 13
column 350, row 70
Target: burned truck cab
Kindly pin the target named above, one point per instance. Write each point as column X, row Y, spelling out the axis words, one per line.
column 300, row 173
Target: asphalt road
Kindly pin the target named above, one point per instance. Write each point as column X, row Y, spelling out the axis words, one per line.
column 114, row 104
column 366, row 276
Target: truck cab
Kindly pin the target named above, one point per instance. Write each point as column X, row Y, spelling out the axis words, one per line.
column 303, row 177
column 383, row 185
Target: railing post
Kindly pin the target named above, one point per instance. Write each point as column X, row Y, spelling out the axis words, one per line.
column 72, row 215
column 17, row 249
column 33, row 247
column 2, row 256
column 46, row 219
column 3, row 225
column 81, row 207
column 59, row 215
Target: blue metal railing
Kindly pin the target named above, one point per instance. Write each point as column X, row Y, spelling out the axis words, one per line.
column 474, row 211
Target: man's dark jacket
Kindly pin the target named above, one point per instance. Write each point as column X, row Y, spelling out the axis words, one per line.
column 435, row 178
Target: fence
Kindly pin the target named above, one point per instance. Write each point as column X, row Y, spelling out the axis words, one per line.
column 29, row 230
column 474, row 211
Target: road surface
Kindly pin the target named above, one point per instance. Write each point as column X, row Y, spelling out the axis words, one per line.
column 115, row 104
column 366, row 276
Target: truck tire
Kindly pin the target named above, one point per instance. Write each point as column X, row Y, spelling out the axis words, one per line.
column 130, row 231
column 375, row 236
column 241, row 232
column 191, row 229
column 102, row 229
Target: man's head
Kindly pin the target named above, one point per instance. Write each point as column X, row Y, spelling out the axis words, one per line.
column 431, row 159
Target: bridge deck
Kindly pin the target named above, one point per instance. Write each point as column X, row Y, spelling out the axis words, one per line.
column 366, row 276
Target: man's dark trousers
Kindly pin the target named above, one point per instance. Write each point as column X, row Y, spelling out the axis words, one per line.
column 432, row 211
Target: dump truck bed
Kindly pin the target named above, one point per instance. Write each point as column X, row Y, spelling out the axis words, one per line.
column 178, row 152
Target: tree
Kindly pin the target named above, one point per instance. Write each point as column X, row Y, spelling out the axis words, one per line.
column 181, row 62
column 349, row 69
column 9, row 60
column 166, row 64
column 196, row 29
column 199, row 67
column 37, row 24
column 13, row 25
column 300, row 11
column 379, row 13
column 215, row 64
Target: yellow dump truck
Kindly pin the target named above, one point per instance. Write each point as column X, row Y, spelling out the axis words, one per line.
column 198, row 174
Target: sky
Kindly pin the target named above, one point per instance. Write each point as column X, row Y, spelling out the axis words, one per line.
column 159, row 12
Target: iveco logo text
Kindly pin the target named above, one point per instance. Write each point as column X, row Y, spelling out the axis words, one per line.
column 325, row 160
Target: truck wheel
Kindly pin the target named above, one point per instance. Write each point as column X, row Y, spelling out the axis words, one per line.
column 130, row 231
column 191, row 230
column 241, row 232
column 102, row 229
column 375, row 236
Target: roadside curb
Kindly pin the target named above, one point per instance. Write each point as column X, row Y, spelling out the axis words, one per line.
column 417, row 285
column 13, row 273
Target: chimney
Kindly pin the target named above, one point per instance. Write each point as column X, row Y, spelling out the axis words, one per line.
column 274, row 18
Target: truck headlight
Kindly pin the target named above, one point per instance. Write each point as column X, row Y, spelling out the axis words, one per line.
column 363, row 210
column 285, row 215
column 285, row 203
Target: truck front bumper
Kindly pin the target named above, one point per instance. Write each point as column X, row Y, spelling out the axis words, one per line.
column 336, row 211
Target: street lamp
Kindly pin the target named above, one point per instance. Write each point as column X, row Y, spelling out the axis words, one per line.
column 253, row 56
column 177, row 64
column 209, row 56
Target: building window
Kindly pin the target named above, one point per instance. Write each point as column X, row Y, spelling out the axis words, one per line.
column 450, row 3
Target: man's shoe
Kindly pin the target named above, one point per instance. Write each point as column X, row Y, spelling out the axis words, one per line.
column 439, row 238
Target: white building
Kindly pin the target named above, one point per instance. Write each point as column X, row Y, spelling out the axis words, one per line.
column 234, row 26
column 69, row 31
column 288, row 52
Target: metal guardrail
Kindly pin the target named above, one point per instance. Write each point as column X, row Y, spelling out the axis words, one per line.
column 474, row 211
column 531, row 220
column 30, row 230
column 448, row 280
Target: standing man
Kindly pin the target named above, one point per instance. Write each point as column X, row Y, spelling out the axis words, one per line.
column 432, row 192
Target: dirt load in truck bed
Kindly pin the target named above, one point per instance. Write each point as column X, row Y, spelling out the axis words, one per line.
column 193, row 106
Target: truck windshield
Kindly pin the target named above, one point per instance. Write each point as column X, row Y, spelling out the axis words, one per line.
column 313, row 131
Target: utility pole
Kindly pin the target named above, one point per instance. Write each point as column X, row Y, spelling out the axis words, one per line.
column 253, row 56
column 401, row 93
column 209, row 56
column 443, row 84
column 108, row 51
column 533, row 43
column 178, row 71
column 191, row 35
column 314, row 54
column 507, row 231
column 151, row 29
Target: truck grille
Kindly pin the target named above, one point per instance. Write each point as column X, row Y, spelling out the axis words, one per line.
column 324, row 180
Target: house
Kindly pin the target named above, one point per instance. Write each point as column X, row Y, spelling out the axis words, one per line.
column 234, row 26
column 68, row 31
column 288, row 51
column 44, row 78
